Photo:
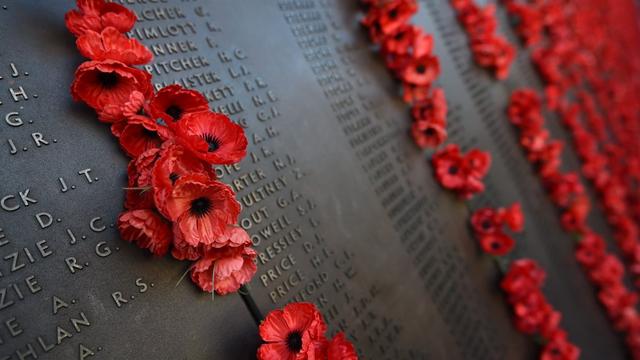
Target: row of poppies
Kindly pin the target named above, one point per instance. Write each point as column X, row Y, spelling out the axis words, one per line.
column 459, row 172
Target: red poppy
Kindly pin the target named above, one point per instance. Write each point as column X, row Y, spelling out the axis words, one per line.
column 497, row 244
column 147, row 229
column 421, row 71
column 111, row 44
column 512, row 217
column 559, row 348
column 534, row 140
column 462, row 174
column 408, row 40
column 477, row 163
column 448, row 163
column 173, row 102
column 415, row 93
column 494, row 52
column 607, row 271
column 174, row 163
column 225, row 269
column 101, row 83
column 141, row 134
column 428, row 134
column 97, row 15
column 523, row 277
column 590, row 250
column 290, row 333
column 113, row 113
column 212, row 137
column 574, row 217
column 525, row 108
column 530, row 22
column 340, row 348
column 548, row 158
column 485, row 221
column 388, row 17
column 201, row 208
column 139, row 194
column 432, row 109
column 477, row 21
column 233, row 236
column 530, row 311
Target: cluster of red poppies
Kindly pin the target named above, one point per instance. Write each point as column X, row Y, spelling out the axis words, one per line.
column 489, row 49
column 488, row 227
column 566, row 191
column 174, row 200
column 595, row 99
column 298, row 332
column 408, row 53
column 533, row 314
column 459, row 172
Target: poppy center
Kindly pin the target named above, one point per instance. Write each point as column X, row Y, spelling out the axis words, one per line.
column 495, row 245
column 173, row 177
column 108, row 80
column 453, row 170
column 174, row 111
column 149, row 133
column 420, row 69
column 486, row 224
column 430, row 132
column 200, row 206
column 294, row 341
column 214, row 142
column 393, row 13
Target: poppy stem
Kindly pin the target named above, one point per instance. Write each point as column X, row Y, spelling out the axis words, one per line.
column 183, row 275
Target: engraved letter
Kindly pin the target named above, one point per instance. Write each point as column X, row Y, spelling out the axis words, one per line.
column 44, row 219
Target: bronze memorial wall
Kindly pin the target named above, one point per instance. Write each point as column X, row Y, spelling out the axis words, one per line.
column 341, row 206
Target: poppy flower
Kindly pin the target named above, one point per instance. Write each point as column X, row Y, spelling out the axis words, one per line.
column 111, row 44
column 212, row 137
column 497, row 244
column 477, row 162
column 428, row 134
column 559, row 348
column 459, row 173
column 408, row 40
column 485, row 221
column 525, row 108
column 97, row 15
column 174, row 163
column 201, row 208
column 139, row 194
column 608, row 271
column 113, row 113
column 534, row 140
column 512, row 217
column 340, row 348
column 102, row 83
column 147, row 229
column 233, row 236
column 141, row 134
column 494, row 52
column 448, row 163
column 290, row 333
column 432, row 109
column 523, row 277
column 530, row 311
column 421, row 71
column 590, row 250
column 412, row 93
column 173, row 102
column 387, row 18
column 225, row 269
column 477, row 21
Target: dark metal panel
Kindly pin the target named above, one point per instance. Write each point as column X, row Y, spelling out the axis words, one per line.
column 341, row 206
